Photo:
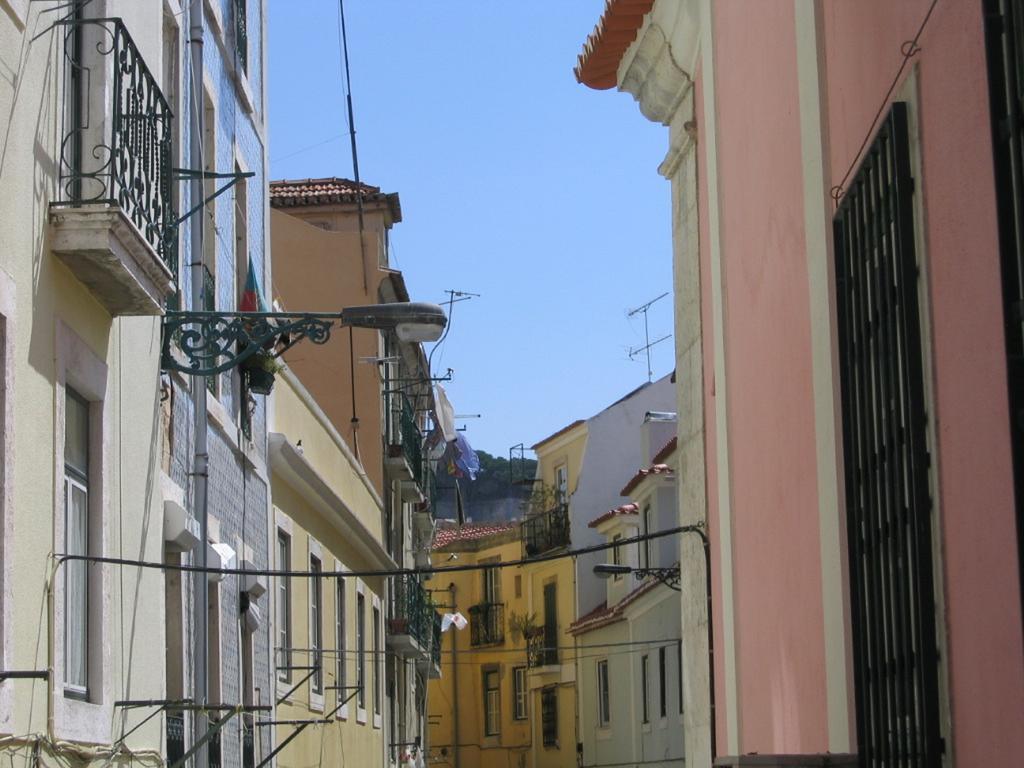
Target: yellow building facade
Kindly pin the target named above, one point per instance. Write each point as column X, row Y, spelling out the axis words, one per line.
column 507, row 692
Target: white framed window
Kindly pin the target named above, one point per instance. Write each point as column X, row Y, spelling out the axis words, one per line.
column 378, row 663
column 644, row 689
column 604, row 714
column 284, row 607
column 316, row 625
column 562, row 484
column 7, row 340
column 647, row 543
column 340, row 645
column 519, row 693
column 492, row 702
column 82, row 615
column 663, row 683
column 76, row 542
column 360, row 653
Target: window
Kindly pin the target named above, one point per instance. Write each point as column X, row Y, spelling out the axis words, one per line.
column 885, row 419
column 361, row 650
column 316, row 628
column 604, row 714
column 242, row 34
column 492, row 582
column 550, row 651
column 209, row 219
column 519, row 693
column 519, row 585
column 679, row 662
column 646, row 544
column 616, row 555
column 339, row 637
column 76, row 542
column 561, row 484
column 284, row 608
column 378, row 666
column 492, row 702
column 549, row 716
column 663, row 701
column 644, row 688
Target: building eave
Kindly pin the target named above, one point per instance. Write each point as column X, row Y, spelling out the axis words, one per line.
column 597, row 65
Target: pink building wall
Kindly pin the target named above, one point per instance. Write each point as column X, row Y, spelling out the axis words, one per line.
column 982, row 601
column 772, row 450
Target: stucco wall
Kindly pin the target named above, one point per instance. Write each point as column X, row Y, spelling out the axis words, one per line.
column 962, row 331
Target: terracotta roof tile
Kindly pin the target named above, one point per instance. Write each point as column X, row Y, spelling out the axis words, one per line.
column 657, row 468
column 602, row 616
column 294, row 193
column 625, row 509
column 468, row 532
column 597, row 66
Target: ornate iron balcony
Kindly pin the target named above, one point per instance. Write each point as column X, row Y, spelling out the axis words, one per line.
column 412, row 615
column 116, row 143
column 175, row 737
column 546, row 531
column 487, row 624
column 542, row 648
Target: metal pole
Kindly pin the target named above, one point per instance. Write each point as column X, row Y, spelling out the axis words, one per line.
column 200, row 464
column 455, row 684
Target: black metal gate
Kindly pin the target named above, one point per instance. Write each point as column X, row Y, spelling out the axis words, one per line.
column 1004, row 44
column 888, row 504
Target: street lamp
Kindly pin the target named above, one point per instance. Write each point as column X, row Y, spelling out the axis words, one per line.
column 667, row 576
column 209, row 343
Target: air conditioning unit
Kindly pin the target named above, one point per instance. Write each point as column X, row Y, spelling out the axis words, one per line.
column 253, row 584
column 181, row 530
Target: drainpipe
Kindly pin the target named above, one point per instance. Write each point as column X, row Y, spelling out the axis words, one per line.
column 455, row 685
column 201, row 461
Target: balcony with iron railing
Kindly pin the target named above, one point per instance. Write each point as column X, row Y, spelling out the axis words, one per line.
column 542, row 648
column 546, row 531
column 248, row 742
column 114, row 218
column 487, row 624
column 404, row 458
column 175, row 737
column 410, row 621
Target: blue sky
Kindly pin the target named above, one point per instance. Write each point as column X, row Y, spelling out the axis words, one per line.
column 516, row 183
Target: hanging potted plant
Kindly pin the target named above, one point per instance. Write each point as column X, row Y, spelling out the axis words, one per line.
column 259, row 370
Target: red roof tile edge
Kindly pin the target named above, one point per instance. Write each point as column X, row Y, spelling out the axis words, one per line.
column 597, row 65
column 602, row 616
column 469, row 532
column 625, row 509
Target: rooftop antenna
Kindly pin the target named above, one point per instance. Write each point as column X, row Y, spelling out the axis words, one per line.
column 634, row 351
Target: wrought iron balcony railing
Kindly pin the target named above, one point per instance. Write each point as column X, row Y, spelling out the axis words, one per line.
column 412, row 439
column 248, row 743
column 542, row 648
column 487, row 624
column 546, row 531
column 412, row 611
column 117, row 138
column 213, row 747
column 435, row 648
column 175, row 737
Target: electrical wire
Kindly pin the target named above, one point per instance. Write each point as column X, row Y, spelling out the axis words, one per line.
column 618, row 644
column 386, row 572
column 908, row 49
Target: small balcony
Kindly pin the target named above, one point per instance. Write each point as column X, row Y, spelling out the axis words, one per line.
column 404, row 457
column 487, row 624
column 542, row 649
column 114, row 219
column 410, row 621
column 546, row 531
column 175, row 737
column 431, row 665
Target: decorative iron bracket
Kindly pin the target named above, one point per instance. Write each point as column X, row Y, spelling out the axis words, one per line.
column 184, row 174
column 209, row 343
column 667, row 576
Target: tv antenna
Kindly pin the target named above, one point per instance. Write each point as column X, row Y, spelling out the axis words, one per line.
column 646, row 348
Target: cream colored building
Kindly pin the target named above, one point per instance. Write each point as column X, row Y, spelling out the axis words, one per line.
column 327, row 518
column 82, row 283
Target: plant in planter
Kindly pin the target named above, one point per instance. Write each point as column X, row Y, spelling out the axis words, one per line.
column 259, row 370
column 524, row 624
